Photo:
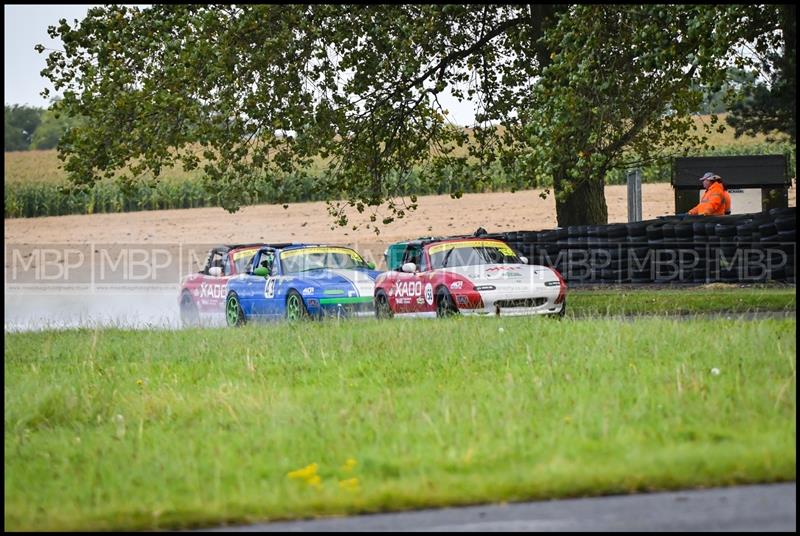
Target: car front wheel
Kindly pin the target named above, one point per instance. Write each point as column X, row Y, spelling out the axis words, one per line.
column 444, row 304
column 234, row 315
column 382, row 307
column 189, row 314
column 295, row 307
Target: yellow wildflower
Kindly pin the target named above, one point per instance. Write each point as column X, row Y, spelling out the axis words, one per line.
column 350, row 484
column 314, row 481
column 349, row 465
column 305, row 473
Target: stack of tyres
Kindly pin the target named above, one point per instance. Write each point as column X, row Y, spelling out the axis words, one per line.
column 526, row 249
column 700, row 273
column 727, row 258
column 730, row 256
column 739, row 248
column 713, row 253
column 638, row 253
column 550, row 246
column 617, row 247
column 655, row 241
column 687, row 258
column 523, row 242
column 574, row 231
column 774, row 258
column 786, row 226
column 561, row 261
column 539, row 250
column 665, row 257
column 579, row 266
column 751, row 268
column 599, row 257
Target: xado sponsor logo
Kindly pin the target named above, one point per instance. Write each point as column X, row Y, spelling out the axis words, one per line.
column 408, row 288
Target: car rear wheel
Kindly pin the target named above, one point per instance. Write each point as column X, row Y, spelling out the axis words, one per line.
column 444, row 304
column 295, row 307
column 234, row 315
column 189, row 313
column 382, row 307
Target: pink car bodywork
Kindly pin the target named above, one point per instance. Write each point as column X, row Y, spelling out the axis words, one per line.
column 204, row 292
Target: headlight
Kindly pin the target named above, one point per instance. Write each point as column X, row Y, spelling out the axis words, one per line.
column 486, row 287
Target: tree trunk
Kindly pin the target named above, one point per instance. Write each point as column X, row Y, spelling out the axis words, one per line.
column 585, row 205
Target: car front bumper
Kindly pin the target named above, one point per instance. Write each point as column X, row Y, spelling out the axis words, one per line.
column 346, row 307
column 516, row 303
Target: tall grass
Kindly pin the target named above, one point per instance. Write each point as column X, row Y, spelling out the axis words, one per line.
column 47, row 199
column 112, row 429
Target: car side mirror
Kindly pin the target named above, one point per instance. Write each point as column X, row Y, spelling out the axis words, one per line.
column 371, row 265
column 216, row 271
column 409, row 268
column 524, row 260
column 261, row 271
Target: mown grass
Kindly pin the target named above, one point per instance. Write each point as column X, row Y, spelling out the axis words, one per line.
column 114, row 429
column 703, row 299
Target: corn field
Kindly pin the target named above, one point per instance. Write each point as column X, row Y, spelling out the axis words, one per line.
column 28, row 197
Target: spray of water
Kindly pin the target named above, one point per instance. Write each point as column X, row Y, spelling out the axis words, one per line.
column 33, row 311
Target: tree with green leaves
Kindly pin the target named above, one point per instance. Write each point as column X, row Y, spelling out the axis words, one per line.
column 21, row 123
column 770, row 104
column 564, row 94
column 621, row 89
column 54, row 125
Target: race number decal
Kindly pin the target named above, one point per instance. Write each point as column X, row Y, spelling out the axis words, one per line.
column 269, row 288
column 429, row 294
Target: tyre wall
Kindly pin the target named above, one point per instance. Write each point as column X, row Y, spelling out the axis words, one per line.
column 741, row 248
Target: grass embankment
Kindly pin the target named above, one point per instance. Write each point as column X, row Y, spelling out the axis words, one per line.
column 713, row 298
column 114, row 429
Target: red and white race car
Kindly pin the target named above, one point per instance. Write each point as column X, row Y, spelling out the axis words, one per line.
column 440, row 277
column 203, row 293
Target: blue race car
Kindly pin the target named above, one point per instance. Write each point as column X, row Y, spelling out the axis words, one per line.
column 301, row 281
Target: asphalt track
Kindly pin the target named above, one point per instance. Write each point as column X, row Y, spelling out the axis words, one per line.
column 756, row 508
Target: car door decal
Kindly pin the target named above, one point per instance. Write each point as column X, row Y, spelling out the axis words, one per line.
column 269, row 288
column 429, row 294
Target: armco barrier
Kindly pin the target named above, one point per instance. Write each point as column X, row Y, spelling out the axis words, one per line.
column 746, row 248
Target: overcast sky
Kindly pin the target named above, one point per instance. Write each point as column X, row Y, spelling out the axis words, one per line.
column 26, row 26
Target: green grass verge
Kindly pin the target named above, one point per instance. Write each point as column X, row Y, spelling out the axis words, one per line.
column 703, row 299
column 114, row 429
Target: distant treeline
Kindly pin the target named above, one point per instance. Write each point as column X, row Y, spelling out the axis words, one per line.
column 28, row 127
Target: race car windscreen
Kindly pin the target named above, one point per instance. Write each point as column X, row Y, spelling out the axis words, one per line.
column 471, row 253
column 243, row 259
column 303, row 260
